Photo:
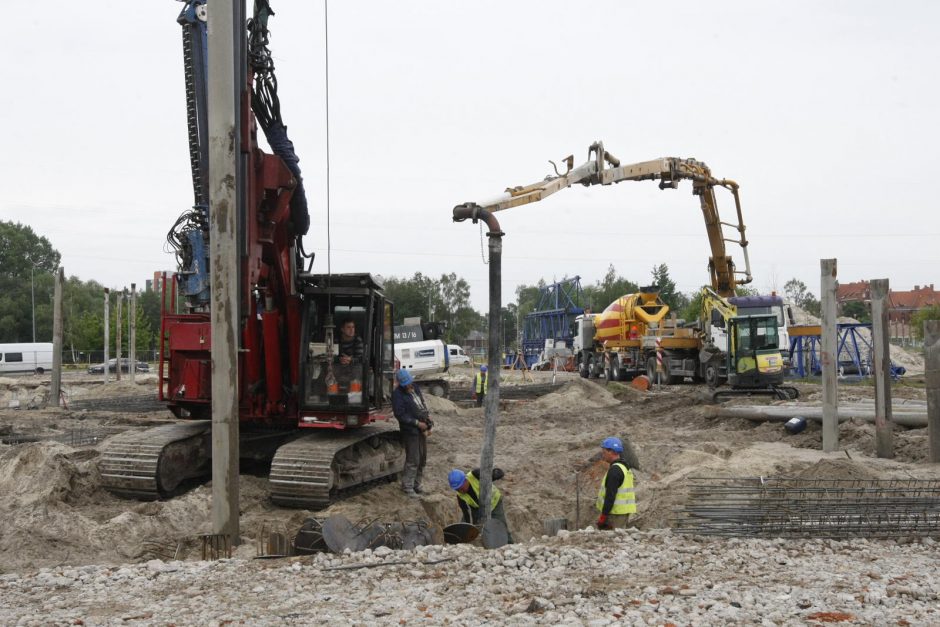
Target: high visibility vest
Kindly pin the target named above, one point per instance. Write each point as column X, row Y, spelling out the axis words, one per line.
column 475, row 484
column 481, row 383
column 625, row 501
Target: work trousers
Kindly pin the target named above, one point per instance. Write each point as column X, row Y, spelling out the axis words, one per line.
column 416, row 456
column 480, row 398
column 618, row 521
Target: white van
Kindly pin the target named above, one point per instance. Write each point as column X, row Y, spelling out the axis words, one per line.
column 26, row 357
column 457, row 355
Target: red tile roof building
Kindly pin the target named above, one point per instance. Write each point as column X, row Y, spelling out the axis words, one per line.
column 901, row 305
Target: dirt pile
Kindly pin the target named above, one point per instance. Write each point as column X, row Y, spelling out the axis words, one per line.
column 53, row 511
column 577, row 394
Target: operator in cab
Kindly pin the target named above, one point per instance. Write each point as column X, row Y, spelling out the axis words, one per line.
column 350, row 344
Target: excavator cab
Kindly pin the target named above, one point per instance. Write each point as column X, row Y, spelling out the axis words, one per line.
column 347, row 365
column 754, row 359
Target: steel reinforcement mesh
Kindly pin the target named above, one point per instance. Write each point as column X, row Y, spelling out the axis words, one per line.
column 810, row 508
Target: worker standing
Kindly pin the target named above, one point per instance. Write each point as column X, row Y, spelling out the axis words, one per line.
column 467, row 486
column 415, row 424
column 616, row 498
column 480, row 386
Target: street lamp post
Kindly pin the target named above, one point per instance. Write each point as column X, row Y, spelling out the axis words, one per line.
column 32, row 289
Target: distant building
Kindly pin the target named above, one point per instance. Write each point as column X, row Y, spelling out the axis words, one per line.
column 901, row 304
column 475, row 344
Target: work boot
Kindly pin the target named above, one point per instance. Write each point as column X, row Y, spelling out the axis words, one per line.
column 409, row 492
column 418, row 490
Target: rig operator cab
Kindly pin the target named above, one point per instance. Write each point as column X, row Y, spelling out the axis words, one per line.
column 348, row 367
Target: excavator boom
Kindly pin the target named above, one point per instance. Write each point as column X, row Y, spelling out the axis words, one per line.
column 602, row 168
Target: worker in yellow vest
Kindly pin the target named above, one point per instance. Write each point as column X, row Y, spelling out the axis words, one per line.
column 616, row 498
column 480, row 385
column 467, row 485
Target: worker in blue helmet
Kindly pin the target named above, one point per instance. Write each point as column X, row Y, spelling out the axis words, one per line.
column 480, row 385
column 467, row 486
column 616, row 498
column 415, row 424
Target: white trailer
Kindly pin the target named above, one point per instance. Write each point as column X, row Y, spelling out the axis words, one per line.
column 426, row 360
column 26, row 357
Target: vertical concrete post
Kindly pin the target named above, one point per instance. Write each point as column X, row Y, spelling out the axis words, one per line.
column 225, row 34
column 132, row 333
column 932, row 370
column 829, row 356
column 118, row 326
column 55, row 390
column 884, row 428
column 107, row 322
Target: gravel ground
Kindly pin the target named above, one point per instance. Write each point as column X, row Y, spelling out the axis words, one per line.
column 586, row 577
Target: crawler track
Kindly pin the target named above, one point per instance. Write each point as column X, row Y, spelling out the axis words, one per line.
column 151, row 463
column 311, row 470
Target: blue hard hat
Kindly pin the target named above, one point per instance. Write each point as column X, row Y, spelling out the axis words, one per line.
column 612, row 444
column 404, row 377
column 456, row 478
column 482, row 368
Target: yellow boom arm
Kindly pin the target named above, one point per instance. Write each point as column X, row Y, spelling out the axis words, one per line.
column 602, row 168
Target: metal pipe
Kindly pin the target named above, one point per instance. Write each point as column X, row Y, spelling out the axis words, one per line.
column 474, row 212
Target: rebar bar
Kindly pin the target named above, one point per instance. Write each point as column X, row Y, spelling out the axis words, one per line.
column 811, row 508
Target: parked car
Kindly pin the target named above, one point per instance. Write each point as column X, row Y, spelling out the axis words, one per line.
column 457, row 355
column 142, row 366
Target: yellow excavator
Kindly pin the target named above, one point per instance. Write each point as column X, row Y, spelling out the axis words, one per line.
column 619, row 345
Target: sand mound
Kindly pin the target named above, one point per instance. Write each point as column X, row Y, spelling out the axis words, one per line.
column 576, row 394
column 439, row 405
column 45, row 472
column 838, row 469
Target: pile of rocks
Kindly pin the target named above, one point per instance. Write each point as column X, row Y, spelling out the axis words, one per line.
column 584, row 577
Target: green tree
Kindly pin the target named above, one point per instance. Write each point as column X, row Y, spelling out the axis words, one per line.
column 604, row 292
column 676, row 300
column 527, row 298
column 27, row 264
column 917, row 320
column 800, row 296
column 857, row 309
column 444, row 300
column 412, row 296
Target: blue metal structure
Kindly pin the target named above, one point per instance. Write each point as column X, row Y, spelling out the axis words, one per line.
column 552, row 317
column 854, row 350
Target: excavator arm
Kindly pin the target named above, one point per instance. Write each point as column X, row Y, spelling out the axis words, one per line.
column 602, row 168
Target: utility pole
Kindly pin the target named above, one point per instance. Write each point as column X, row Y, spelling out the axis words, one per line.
column 32, row 289
column 132, row 332
column 829, row 355
column 118, row 324
column 932, row 371
column 55, row 389
column 884, row 428
column 226, row 81
column 107, row 314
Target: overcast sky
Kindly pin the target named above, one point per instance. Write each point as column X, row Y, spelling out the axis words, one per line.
column 825, row 113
